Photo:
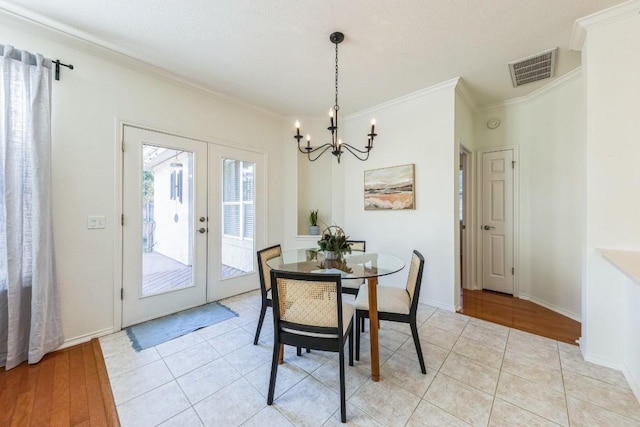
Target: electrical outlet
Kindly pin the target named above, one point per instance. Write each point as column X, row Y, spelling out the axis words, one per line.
column 96, row 222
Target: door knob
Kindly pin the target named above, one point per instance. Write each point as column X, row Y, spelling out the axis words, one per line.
column 202, row 219
column 202, row 230
column 488, row 227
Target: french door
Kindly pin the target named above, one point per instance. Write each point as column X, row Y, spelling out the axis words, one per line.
column 191, row 211
column 237, row 200
column 164, row 224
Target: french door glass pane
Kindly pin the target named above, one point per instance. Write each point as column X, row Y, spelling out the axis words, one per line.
column 167, row 220
column 232, row 220
column 231, row 180
column 248, row 221
column 247, row 182
column 238, row 217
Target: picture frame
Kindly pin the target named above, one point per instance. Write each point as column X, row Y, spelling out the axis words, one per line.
column 391, row 188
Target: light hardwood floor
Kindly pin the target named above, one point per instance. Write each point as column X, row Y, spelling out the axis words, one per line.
column 519, row 314
column 68, row 387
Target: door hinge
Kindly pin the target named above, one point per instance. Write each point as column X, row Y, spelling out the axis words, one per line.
column 121, row 294
column 122, row 147
column 122, row 219
column 513, row 164
column 512, row 271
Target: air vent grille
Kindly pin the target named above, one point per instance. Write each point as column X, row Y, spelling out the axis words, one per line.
column 533, row 68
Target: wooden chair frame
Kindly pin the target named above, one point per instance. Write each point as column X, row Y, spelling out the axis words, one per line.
column 334, row 341
column 402, row 318
column 266, row 301
column 359, row 244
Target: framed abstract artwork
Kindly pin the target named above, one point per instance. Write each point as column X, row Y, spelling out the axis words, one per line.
column 390, row 188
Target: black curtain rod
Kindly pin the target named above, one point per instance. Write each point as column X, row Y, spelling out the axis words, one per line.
column 58, row 64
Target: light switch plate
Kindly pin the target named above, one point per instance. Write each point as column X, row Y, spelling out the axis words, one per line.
column 96, row 222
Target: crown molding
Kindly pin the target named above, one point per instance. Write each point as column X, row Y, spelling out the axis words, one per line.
column 57, row 32
column 599, row 19
column 565, row 78
column 463, row 90
column 446, row 85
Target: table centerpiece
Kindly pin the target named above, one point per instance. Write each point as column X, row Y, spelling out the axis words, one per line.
column 334, row 243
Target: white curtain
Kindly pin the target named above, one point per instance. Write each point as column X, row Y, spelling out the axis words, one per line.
column 29, row 317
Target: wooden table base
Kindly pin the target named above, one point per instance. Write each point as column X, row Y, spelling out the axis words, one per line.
column 372, row 283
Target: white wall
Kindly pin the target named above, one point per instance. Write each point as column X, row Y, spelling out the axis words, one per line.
column 611, row 68
column 548, row 129
column 86, row 104
column 416, row 129
column 314, row 178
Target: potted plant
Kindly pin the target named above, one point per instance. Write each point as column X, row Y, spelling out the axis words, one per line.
column 334, row 242
column 314, row 230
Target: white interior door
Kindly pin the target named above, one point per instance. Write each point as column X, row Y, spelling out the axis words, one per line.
column 496, row 226
column 164, row 224
column 237, row 203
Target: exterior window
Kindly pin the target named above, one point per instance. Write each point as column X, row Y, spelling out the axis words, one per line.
column 238, row 198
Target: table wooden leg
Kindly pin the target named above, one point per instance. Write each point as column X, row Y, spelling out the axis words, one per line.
column 373, row 327
column 281, row 358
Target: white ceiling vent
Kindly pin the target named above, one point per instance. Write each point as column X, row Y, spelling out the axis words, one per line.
column 533, row 68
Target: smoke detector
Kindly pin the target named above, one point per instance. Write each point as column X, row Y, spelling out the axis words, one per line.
column 533, row 68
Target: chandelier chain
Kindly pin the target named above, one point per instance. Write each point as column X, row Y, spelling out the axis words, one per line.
column 336, row 107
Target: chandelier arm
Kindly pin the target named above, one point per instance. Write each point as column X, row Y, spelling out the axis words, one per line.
column 313, row 150
column 326, row 147
column 351, row 147
column 353, row 150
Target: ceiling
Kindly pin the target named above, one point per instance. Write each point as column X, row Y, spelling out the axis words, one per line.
column 276, row 54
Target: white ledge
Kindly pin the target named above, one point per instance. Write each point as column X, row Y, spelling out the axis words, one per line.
column 628, row 262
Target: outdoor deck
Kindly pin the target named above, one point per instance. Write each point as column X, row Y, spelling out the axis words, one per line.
column 162, row 274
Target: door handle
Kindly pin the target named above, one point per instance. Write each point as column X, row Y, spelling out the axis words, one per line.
column 202, row 230
column 202, row 219
column 488, row 227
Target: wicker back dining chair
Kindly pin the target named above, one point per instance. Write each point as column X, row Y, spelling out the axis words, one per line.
column 351, row 286
column 308, row 312
column 395, row 304
column 358, row 245
column 264, row 272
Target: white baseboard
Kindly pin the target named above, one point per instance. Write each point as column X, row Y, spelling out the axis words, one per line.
column 70, row 342
column 438, row 304
column 551, row 307
column 603, row 362
column 634, row 383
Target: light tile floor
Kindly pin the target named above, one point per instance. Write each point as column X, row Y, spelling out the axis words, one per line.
column 478, row 373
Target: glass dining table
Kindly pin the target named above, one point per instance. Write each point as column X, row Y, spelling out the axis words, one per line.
column 357, row 265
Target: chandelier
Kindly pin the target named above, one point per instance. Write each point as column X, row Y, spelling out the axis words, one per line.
column 336, row 145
